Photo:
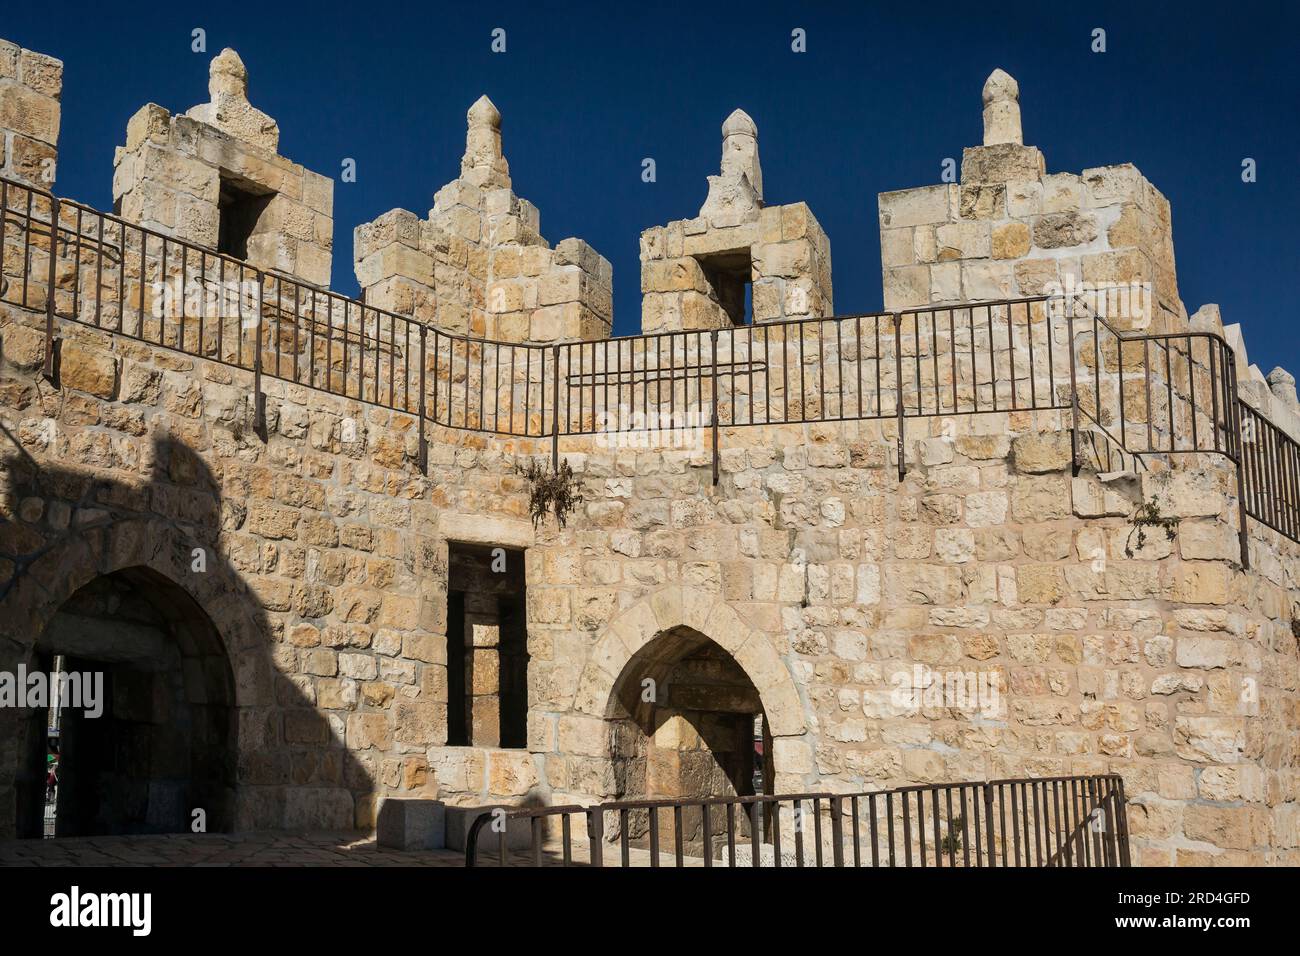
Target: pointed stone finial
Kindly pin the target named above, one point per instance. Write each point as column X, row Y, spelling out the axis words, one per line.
column 736, row 193
column 484, row 113
column 1002, row 110
column 484, row 164
column 228, row 108
column 227, row 75
column 1282, row 384
column 740, row 150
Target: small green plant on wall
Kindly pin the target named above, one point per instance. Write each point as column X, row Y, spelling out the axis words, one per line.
column 1148, row 516
column 550, row 492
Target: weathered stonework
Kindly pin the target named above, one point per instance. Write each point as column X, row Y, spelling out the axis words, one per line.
column 175, row 173
column 694, row 271
column 1010, row 229
column 809, row 569
column 479, row 265
column 30, row 86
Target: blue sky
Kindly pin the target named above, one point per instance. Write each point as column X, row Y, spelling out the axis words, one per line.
column 884, row 93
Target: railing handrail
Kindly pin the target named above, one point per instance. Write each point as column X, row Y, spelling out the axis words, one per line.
column 912, row 396
column 1093, row 796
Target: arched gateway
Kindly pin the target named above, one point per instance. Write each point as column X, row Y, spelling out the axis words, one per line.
column 697, row 704
column 152, row 735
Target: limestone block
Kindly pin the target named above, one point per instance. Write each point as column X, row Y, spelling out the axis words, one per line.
column 982, row 281
column 88, row 371
column 411, row 824
column 1002, row 163
column 916, row 207
column 1042, row 452
column 1010, row 241
column 29, row 112
column 1064, row 229
column 907, row 287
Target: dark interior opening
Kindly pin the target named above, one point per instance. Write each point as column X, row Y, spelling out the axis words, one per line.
column 457, row 726
column 730, row 275
column 687, row 723
column 487, row 647
column 240, row 206
column 161, row 743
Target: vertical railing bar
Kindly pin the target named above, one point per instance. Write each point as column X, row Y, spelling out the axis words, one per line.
column 858, row 339
column 654, row 836
column 907, row 831
column 817, row 817
column 731, row 828
column 952, row 847
column 889, row 821
column 678, row 836
column 423, row 446
column 27, row 261
column 952, row 357
column 857, row 837
column 596, row 829
column 51, row 281
column 623, row 838
column 1002, row 821
column 920, row 812
column 704, row 806
column 875, row 836
column 898, row 381
column 798, row 833
column 1169, row 390
column 988, row 825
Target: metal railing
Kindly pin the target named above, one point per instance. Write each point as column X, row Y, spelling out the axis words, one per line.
column 1128, row 396
column 1042, row 822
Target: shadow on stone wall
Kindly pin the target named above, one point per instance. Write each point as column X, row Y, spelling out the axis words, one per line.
column 124, row 575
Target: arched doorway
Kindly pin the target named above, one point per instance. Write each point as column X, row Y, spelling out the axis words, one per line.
column 687, row 723
column 151, row 740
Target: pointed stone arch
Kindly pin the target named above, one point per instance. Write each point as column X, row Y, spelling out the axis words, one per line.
column 675, row 607
column 213, row 609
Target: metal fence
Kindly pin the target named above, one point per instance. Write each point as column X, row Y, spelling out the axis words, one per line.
column 1043, row 822
column 1127, row 396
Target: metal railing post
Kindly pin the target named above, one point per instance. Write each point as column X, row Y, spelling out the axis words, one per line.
column 555, row 413
column 837, row 832
column 1074, row 394
column 596, row 830
column 898, row 386
column 1121, row 822
column 988, row 825
column 1243, row 533
column 422, row 449
column 713, row 335
column 48, row 371
column 259, row 397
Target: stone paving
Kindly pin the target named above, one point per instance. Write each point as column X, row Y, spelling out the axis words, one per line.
column 237, row 849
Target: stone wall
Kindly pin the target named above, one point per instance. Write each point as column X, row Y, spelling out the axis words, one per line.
column 478, row 265
column 826, row 580
column 30, row 86
column 842, row 593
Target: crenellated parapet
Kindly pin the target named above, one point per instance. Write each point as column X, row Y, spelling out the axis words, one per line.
column 1011, row 229
column 694, row 272
column 835, row 526
column 478, row 265
column 212, row 176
